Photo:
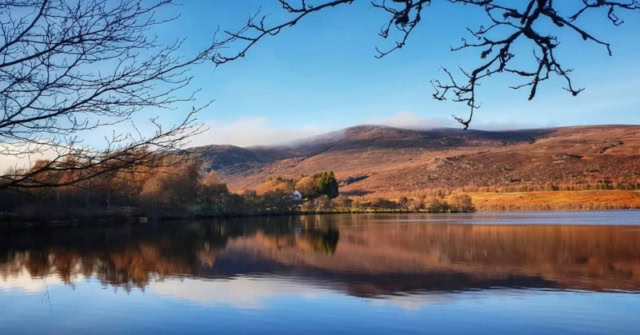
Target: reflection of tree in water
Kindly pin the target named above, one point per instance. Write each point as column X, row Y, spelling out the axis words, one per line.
column 372, row 259
column 124, row 257
column 325, row 241
column 133, row 256
column 375, row 258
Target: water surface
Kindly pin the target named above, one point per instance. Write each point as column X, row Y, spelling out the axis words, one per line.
column 555, row 273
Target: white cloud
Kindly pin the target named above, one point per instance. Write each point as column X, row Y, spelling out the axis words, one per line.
column 251, row 131
column 241, row 132
column 409, row 120
column 258, row 131
column 507, row 125
column 9, row 160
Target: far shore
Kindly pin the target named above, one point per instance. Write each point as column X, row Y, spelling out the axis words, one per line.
column 484, row 202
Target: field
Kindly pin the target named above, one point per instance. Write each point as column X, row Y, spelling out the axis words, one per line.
column 556, row 200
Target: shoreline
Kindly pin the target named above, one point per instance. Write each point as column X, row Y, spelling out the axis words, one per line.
column 483, row 202
column 22, row 224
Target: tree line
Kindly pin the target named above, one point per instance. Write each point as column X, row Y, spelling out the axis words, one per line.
column 182, row 188
column 175, row 188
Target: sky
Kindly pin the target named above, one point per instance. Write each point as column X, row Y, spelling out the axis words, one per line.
column 321, row 75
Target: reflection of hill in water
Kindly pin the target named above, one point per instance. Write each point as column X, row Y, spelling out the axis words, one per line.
column 363, row 258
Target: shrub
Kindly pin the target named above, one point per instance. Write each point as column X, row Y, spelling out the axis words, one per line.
column 461, row 203
column 436, row 205
column 344, row 202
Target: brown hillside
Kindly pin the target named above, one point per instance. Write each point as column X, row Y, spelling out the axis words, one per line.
column 376, row 158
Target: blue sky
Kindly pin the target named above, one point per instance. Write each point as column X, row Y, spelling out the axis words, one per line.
column 322, row 75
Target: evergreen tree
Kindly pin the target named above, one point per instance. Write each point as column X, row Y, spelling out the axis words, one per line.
column 326, row 184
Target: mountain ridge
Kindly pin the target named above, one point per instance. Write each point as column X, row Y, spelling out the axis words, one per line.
column 372, row 158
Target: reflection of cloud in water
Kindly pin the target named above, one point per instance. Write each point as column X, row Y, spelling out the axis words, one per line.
column 23, row 281
column 412, row 302
column 241, row 293
column 255, row 292
column 420, row 300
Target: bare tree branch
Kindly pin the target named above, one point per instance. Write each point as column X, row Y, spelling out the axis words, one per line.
column 72, row 67
column 509, row 22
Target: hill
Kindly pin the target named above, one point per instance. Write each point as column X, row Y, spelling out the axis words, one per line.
column 371, row 159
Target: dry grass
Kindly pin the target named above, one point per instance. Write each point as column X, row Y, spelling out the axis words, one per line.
column 380, row 160
column 556, row 200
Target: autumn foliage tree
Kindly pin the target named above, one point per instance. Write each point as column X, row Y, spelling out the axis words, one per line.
column 68, row 68
column 306, row 186
column 214, row 196
column 323, row 183
column 172, row 186
column 274, row 184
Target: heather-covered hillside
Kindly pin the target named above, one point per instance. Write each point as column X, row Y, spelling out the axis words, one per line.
column 369, row 159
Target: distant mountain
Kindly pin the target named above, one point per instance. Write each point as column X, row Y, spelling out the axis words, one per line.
column 378, row 158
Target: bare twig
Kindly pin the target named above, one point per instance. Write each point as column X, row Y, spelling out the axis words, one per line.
column 509, row 22
column 68, row 68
